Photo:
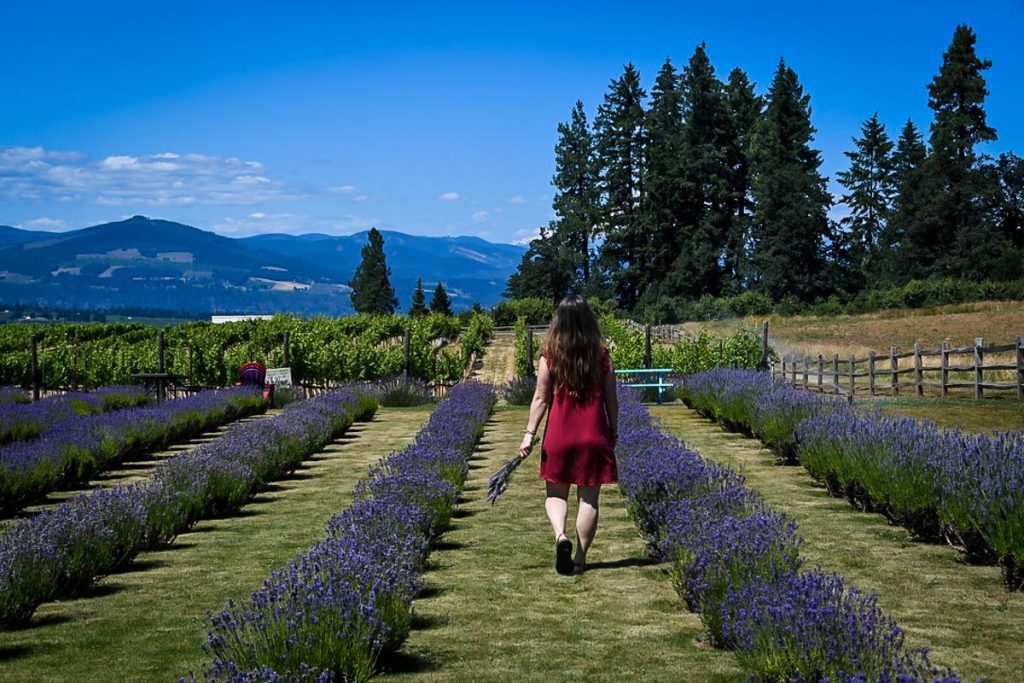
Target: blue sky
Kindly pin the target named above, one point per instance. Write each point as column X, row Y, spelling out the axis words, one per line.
column 431, row 119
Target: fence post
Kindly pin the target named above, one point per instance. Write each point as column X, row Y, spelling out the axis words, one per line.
column 783, row 367
column 764, row 345
column 945, row 368
column 160, row 366
column 853, row 376
column 821, row 371
column 894, row 364
column 529, row 353
column 918, row 373
column 871, row 373
column 807, row 368
column 979, row 363
column 835, row 372
column 34, row 368
column 794, row 369
column 406, row 351
column 1020, row 367
column 647, row 347
column 287, row 348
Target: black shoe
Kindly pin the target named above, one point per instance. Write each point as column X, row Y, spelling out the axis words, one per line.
column 563, row 556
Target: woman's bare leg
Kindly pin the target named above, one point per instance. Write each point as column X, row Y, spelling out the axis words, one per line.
column 586, row 519
column 557, row 506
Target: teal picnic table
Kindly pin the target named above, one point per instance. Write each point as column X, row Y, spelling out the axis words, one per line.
column 647, row 378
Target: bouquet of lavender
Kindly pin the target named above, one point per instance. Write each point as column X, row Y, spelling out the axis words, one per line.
column 499, row 480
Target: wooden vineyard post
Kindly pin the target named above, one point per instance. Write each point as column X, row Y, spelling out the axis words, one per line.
column 160, row 365
column 794, row 369
column 918, row 374
column 894, row 365
column 287, row 349
column 647, row 347
column 191, row 367
column 764, row 345
column 406, row 352
column 1020, row 368
column 34, row 368
column 979, row 363
column 871, row 373
column 529, row 353
column 944, row 372
column 853, row 376
column 835, row 372
column 807, row 368
column 783, row 367
column 821, row 371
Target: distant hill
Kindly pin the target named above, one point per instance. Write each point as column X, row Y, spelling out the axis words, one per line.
column 142, row 262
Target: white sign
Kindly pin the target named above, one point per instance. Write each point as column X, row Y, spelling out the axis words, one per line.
column 280, row 377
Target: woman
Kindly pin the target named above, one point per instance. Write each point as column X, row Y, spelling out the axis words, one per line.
column 575, row 380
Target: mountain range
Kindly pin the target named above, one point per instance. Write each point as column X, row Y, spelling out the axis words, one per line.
column 147, row 263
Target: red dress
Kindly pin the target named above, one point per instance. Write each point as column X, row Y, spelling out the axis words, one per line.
column 577, row 446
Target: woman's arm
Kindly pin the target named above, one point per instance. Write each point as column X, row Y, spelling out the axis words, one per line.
column 538, row 406
column 611, row 401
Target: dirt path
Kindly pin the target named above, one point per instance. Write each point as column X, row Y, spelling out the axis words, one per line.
column 960, row 611
column 499, row 360
column 147, row 623
column 495, row 610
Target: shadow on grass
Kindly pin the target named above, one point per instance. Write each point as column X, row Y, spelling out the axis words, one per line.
column 8, row 652
column 462, row 513
column 408, row 663
column 430, row 592
column 449, row 545
column 622, row 564
column 39, row 622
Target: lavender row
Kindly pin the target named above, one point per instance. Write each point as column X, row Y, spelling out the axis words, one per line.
column 61, row 551
column 334, row 610
column 73, row 449
column 736, row 562
column 942, row 485
column 21, row 420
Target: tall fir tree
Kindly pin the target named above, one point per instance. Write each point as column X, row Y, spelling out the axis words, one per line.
column 706, row 181
column 419, row 300
column 662, row 205
column 577, row 196
column 439, row 303
column 790, row 220
column 371, row 285
column 870, row 187
column 546, row 270
column 620, row 134
column 907, row 234
column 744, row 108
column 1008, row 206
column 964, row 238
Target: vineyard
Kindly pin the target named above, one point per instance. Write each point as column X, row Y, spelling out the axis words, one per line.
column 261, row 533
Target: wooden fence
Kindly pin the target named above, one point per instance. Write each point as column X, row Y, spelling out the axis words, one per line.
column 885, row 374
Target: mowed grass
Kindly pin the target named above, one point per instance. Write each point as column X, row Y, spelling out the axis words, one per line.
column 495, row 610
column 967, row 414
column 147, row 623
column 961, row 611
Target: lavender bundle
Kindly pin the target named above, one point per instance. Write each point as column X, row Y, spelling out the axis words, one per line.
column 498, row 482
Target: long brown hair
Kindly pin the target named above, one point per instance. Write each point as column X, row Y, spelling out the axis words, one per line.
column 573, row 348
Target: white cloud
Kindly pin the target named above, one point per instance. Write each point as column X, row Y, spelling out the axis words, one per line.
column 52, row 224
column 448, row 196
column 257, row 215
column 164, row 179
column 363, row 198
column 524, row 237
column 518, row 199
column 342, row 189
column 481, row 216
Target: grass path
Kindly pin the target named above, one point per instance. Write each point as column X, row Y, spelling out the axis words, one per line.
column 495, row 610
column 147, row 624
column 960, row 611
column 499, row 360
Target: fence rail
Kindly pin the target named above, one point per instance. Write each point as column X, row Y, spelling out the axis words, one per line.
column 886, row 375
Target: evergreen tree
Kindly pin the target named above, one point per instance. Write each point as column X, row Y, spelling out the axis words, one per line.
column 620, row 134
column 870, row 188
column 546, row 270
column 1009, row 198
column 419, row 300
column 906, row 239
column 577, row 197
column 439, row 303
column 371, row 285
column 744, row 108
column 706, row 181
column 663, row 203
column 790, row 218
column 965, row 239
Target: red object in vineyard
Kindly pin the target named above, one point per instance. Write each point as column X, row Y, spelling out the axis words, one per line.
column 255, row 375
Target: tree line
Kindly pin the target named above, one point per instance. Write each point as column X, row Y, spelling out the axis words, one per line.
column 707, row 188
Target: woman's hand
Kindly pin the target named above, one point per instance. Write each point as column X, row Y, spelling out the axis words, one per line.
column 526, row 447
